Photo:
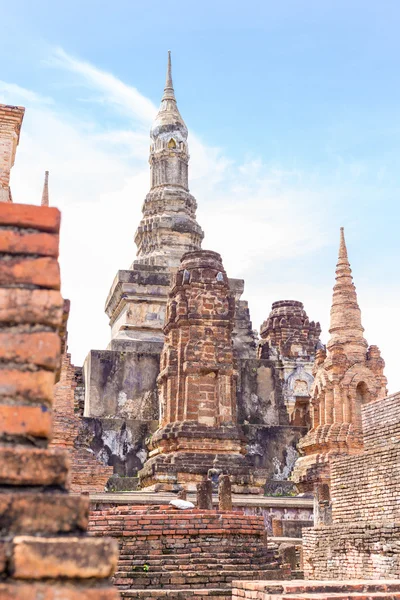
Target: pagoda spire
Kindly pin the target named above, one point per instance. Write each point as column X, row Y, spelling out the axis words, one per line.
column 169, row 92
column 345, row 325
column 45, row 193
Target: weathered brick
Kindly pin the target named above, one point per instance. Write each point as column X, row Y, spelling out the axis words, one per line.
column 33, row 479
column 30, row 385
column 81, row 558
column 197, row 381
column 28, row 242
column 44, row 307
column 22, row 466
column 31, row 513
column 25, row 420
column 87, row 472
column 39, row 348
column 186, row 547
column 29, row 216
column 3, row 555
column 42, row 272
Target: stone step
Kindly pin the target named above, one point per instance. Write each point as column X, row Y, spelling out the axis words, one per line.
column 136, row 557
column 317, row 590
column 197, row 559
column 131, row 566
column 188, row 579
column 202, row 568
column 178, row 594
column 333, row 596
column 135, row 566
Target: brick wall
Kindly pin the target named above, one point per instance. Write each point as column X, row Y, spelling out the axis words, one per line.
column 363, row 539
column 381, row 422
column 352, row 551
column 87, row 474
column 367, row 487
column 44, row 552
column 166, row 548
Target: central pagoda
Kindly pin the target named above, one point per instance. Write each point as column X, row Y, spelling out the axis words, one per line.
column 121, row 381
column 168, row 228
column 167, row 231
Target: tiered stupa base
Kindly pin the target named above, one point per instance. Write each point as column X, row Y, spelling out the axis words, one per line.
column 190, row 553
column 182, row 453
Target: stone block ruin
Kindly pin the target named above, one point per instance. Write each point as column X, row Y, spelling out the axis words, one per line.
column 186, row 397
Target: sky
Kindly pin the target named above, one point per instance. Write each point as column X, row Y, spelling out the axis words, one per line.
column 293, row 116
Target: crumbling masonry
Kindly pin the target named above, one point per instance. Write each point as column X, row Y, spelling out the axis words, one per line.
column 44, row 552
column 269, row 386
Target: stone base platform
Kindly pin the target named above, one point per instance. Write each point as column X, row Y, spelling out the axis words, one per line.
column 270, row 508
column 316, row 590
column 164, row 548
column 181, row 453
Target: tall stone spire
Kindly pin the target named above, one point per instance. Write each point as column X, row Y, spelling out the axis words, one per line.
column 169, row 227
column 347, row 376
column 169, row 93
column 345, row 327
column 45, row 193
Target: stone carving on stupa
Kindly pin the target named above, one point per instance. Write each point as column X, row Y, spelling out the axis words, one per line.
column 290, row 339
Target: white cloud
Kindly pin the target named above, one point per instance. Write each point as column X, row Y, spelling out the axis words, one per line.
column 12, row 90
column 260, row 217
column 117, row 93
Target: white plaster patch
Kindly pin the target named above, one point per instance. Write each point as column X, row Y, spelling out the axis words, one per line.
column 282, row 473
column 142, row 455
column 122, row 399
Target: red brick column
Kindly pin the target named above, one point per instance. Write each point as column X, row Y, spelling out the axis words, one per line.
column 44, row 553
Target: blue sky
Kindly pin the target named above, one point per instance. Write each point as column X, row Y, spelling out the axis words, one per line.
column 293, row 113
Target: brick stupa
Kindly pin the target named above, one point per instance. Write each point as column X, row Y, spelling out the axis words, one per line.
column 197, row 383
column 347, row 375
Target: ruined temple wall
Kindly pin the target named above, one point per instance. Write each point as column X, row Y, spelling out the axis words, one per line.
column 362, row 541
column 375, row 497
column 87, row 473
column 65, row 424
column 352, row 551
column 367, row 487
column 381, row 422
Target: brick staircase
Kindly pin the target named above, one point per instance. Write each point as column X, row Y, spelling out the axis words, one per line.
column 194, row 594
column 316, row 590
column 191, row 553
